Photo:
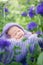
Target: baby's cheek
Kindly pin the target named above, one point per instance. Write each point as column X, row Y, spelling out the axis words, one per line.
column 18, row 36
column 13, row 35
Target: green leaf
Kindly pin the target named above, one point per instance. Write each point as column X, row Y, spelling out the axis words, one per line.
column 2, row 52
column 28, row 58
column 15, row 63
column 37, row 51
column 16, row 47
column 40, row 59
column 24, row 39
column 1, row 63
column 17, row 50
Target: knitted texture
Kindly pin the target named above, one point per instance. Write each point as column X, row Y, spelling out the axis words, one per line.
column 22, row 44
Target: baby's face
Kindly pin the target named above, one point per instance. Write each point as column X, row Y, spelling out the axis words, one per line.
column 15, row 32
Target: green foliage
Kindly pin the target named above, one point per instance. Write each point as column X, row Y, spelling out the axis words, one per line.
column 32, row 57
column 1, row 63
column 15, row 63
column 1, row 52
column 29, row 62
column 15, row 11
column 40, row 59
column 17, row 50
column 37, row 51
column 24, row 39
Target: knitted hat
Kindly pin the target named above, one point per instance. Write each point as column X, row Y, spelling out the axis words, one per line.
column 9, row 25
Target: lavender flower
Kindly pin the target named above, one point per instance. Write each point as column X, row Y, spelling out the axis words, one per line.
column 24, row 14
column 31, row 49
column 31, row 12
column 39, row 32
column 40, row 41
column 4, row 43
column 6, row 10
column 32, row 25
column 39, row 9
column 33, row 40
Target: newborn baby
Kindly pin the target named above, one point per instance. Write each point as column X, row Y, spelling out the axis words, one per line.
column 15, row 34
column 15, row 31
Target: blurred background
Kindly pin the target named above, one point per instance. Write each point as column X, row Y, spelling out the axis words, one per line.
column 23, row 12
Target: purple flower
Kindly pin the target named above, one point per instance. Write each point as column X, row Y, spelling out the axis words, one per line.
column 31, row 12
column 39, row 9
column 40, row 41
column 39, row 32
column 6, row 10
column 31, row 49
column 4, row 43
column 24, row 14
column 33, row 40
column 32, row 25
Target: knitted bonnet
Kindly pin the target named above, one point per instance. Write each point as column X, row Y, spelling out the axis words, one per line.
column 8, row 26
